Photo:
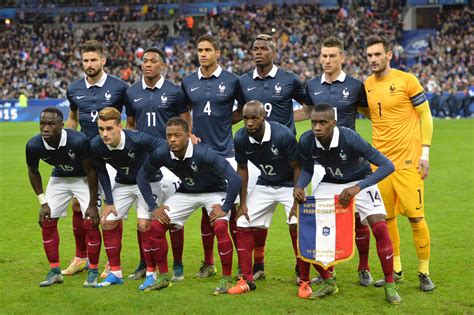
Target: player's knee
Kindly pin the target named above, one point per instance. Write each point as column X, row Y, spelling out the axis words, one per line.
column 372, row 219
column 220, row 228
column 76, row 207
column 293, row 227
column 143, row 225
column 110, row 225
column 49, row 224
column 416, row 220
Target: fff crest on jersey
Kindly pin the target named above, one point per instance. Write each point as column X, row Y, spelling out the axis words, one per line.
column 343, row 156
column 107, row 96
column 393, row 89
column 275, row 151
column 277, row 89
column 72, row 155
column 131, row 155
column 221, row 88
column 194, row 167
column 345, row 94
column 164, row 98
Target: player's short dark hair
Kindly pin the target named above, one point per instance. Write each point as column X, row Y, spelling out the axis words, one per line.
column 324, row 108
column 157, row 51
column 333, row 41
column 257, row 104
column 211, row 39
column 178, row 121
column 110, row 113
column 53, row 110
column 266, row 38
column 92, row 46
column 377, row 39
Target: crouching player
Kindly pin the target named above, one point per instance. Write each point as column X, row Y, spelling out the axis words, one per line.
column 273, row 148
column 125, row 151
column 207, row 180
column 345, row 157
column 73, row 175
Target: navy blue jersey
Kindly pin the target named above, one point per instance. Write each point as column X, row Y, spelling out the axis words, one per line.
column 276, row 93
column 201, row 171
column 89, row 101
column 127, row 158
column 345, row 94
column 346, row 160
column 272, row 156
column 212, row 101
column 66, row 159
column 152, row 108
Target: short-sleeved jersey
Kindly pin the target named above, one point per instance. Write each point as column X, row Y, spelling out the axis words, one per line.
column 346, row 160
column 127, row 158
column 152, row 108
column 67, row 158
column 212, row 101
column 396, row 129
column 202, row 170
column 272, row 155
column 276, row 91
column 345, row 94
column 89, row 101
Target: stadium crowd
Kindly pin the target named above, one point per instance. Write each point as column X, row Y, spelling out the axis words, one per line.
column 42, row 58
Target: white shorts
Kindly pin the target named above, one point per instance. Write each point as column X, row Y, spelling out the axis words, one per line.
column 367, row 202
column 182, row 205
column 112, row 172
column 318, row 175
column 126, row 195
column 261, row 205
column 253, row 172
column 61, row 190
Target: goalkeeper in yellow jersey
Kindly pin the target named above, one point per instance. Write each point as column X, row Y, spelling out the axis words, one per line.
column 402, row 131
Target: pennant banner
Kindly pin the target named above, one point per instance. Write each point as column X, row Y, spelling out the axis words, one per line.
column 325, row 231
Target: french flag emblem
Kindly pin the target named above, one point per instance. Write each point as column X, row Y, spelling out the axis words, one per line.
column 325, row 231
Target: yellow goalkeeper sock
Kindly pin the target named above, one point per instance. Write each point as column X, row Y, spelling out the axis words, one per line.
column 421, row 239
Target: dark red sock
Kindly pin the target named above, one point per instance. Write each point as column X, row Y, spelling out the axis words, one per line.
column 224, row 246
column 303, row 266
column 362, row 240
column 50, row 235
column 145, row 240
column 79, row 233
column 325, row 273
column 233, row 226
column 94, row 242
column 159, row 245
column 207, row 236
column 246, row 243
column 140, row 245
column 113, row 246
column 177, row 244
column 384, row 249
column 260, row 237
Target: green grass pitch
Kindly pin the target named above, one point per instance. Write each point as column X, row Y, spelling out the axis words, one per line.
column 449, row 190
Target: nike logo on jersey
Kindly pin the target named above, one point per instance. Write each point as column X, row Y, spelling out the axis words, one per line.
column 194, row 89
column 368, row 91
column 47, row 158
column 247, row 152
column 79, row 97
column 252, row 88
column 137, row 99
column 317, row 93
column 315, row 157
column 388, row 257
column 107, row 158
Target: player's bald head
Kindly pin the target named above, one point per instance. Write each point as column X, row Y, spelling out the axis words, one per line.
column 254, row 108
column 325, row 108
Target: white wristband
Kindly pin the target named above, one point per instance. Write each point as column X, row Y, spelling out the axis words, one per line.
column 42, row 199
column 425, row 153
